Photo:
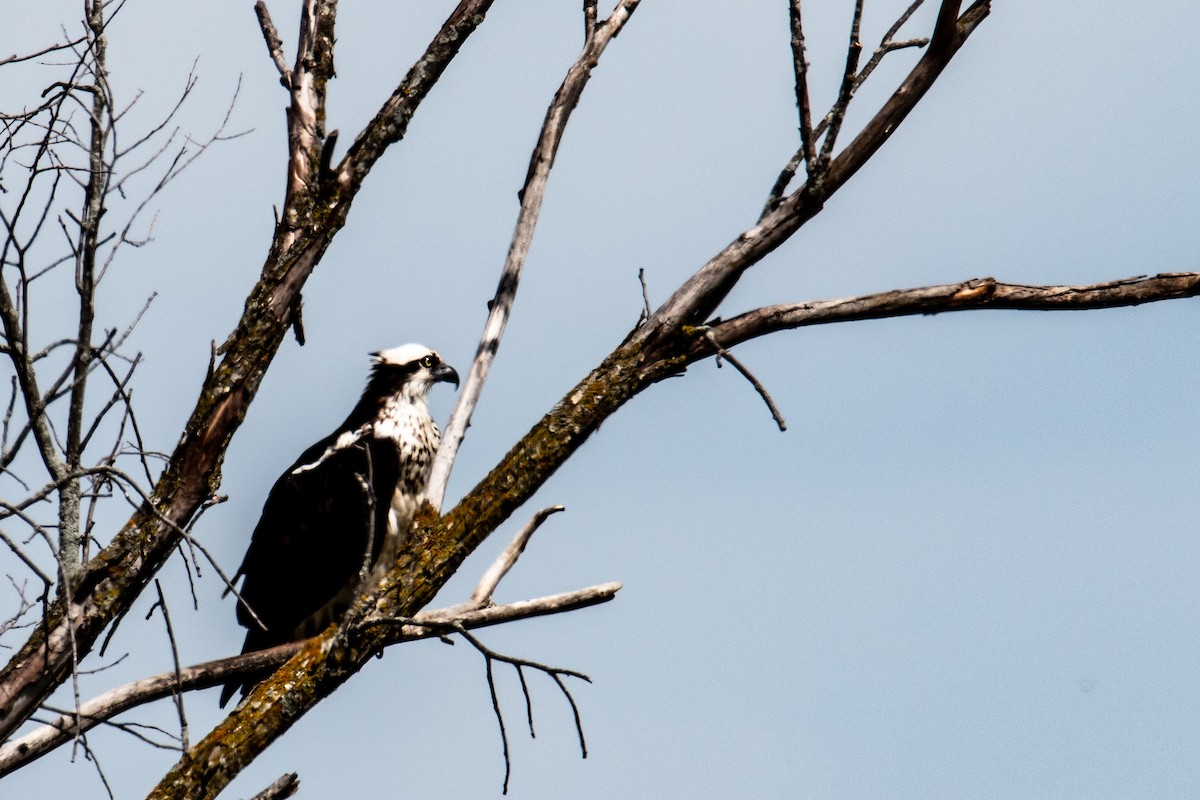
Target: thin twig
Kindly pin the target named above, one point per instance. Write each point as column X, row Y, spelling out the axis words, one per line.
column 888, row 44
column 758, row 387
column 54, row 48
column 845, row 92
column 91, row 756
column 800, row 69
column 558, row 678
column 178, row 694
column 26, row 560
column 646, row 312
column 528, row 701
column 491, row 684
column 137, row 730
column 24, row 606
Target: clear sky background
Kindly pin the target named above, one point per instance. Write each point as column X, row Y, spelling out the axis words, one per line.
column 967, row 570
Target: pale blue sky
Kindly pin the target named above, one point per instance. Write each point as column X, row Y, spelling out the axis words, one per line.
column 967, row 570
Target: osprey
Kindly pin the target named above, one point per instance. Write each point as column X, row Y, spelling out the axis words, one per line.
column 338, row 515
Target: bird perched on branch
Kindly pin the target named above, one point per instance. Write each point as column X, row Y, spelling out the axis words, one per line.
column 335, row 519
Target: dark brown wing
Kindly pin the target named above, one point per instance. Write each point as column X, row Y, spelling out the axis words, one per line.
column 319, row 525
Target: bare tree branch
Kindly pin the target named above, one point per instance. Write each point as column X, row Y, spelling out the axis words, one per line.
column 972, row 295
column 740, row 367
column 482, row 595
column 32, row 746
column 274, row 43
column 70, row 548
column 837, row 114
column 800, row 68
column 24, row 605
column 520, row 665
column 284, row 786
column 54, row 48
column 532, row 194
column 177, row 695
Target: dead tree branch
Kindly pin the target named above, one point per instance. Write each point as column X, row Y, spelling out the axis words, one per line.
column 748, row 375
column 808, row 150
column 284, row 786
column 532, row 194
column 482, row 595
column 274, row 43
column 520, row 665
column 34, row 745
column 972, row 295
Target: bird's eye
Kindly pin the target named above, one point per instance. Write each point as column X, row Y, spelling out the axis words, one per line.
column 429, row 362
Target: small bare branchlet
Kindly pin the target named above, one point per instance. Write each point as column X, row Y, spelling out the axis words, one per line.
column 161, row 605
column 282, row 787
column 491, row 657
column 17, row 617
column 598, row 36
column 746, row 373
column 815, row 161
column 646, row 312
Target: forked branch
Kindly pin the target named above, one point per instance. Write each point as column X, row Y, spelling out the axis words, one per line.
column 698, row 298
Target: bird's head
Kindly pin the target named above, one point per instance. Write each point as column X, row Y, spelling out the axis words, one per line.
column 409, row 371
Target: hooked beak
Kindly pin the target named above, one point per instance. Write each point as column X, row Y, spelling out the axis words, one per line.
column 445, row 373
